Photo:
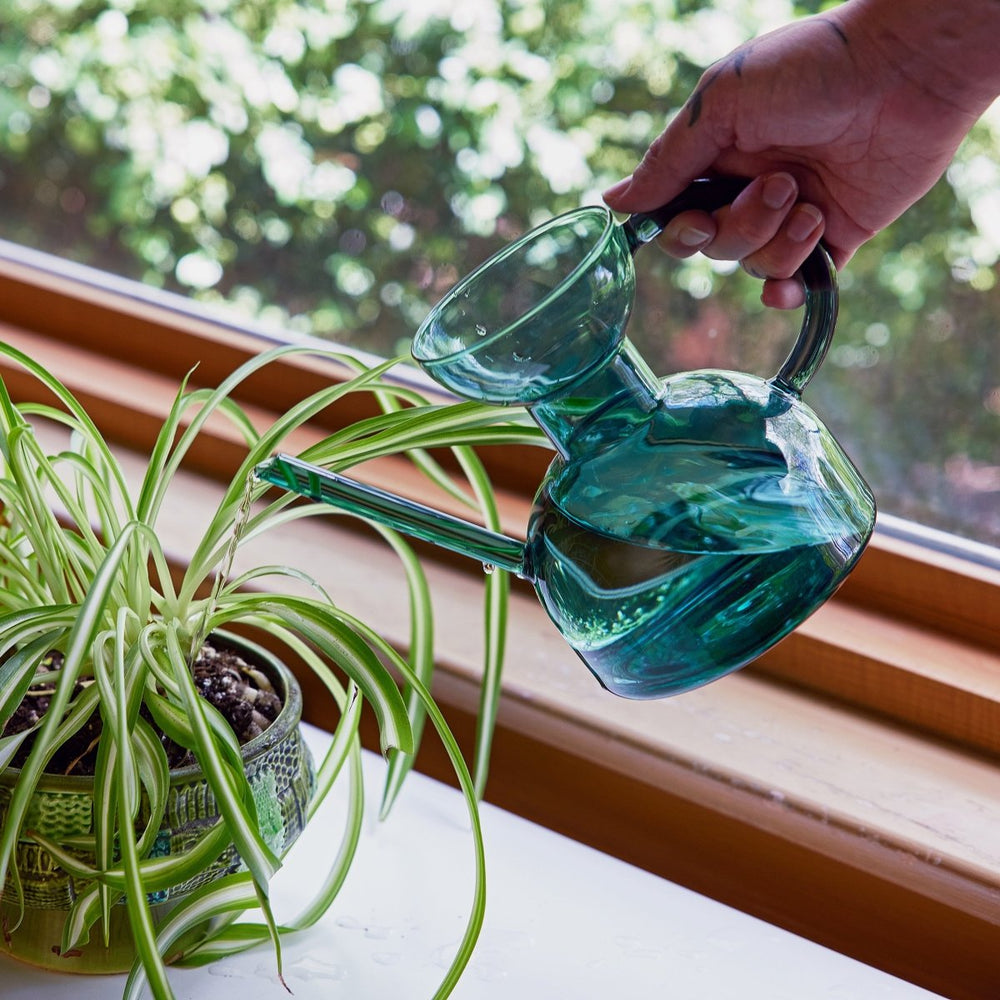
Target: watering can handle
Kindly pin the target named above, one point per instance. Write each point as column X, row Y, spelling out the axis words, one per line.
column 817, row 273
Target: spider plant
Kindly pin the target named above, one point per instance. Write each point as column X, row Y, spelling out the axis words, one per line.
column 83, row 572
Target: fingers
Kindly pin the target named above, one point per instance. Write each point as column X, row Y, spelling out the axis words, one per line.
column 783, row 293
column 765, row 228
column 740, row 230
column 692, row 232
column 781, row 256
column 688, row 233
column 755, row 218
column 784, row 253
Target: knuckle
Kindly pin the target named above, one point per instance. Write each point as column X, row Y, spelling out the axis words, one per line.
column 753, row 231
column 776, row 265
column 649, row 164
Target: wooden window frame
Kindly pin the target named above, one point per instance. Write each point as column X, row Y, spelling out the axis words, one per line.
column 845, row 786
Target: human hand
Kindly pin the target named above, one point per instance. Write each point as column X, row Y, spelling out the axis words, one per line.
column 832, row 119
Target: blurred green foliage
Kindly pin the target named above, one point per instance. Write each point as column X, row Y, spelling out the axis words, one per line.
column 330, row 167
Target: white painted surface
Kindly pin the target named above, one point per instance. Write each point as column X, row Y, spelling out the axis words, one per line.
column 563, row 922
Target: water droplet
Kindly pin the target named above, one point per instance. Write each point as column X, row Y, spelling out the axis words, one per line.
column 480, row 330
column 309, row 968
column 229, row 970
column 488, row 568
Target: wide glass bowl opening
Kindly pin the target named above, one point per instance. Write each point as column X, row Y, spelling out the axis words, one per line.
column 535, row 315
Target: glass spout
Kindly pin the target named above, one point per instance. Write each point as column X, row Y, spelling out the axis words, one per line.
column 416, row 520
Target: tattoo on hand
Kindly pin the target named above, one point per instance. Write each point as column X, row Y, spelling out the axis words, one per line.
column 836, row 27
column 736, row 60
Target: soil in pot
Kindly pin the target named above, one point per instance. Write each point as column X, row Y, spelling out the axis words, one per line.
column 239, row 690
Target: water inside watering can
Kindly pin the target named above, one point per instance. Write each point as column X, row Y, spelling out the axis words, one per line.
column 667, row 567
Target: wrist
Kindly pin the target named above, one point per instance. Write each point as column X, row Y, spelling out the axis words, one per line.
column 947, row 50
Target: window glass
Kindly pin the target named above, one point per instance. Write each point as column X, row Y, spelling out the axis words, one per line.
column 330, row 167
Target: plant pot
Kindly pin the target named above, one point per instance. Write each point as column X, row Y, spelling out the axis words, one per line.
column 280, row 771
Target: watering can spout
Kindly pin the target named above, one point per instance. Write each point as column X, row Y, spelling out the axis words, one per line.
column 491, row 548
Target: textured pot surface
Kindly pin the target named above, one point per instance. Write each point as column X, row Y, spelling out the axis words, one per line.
column 280, row 772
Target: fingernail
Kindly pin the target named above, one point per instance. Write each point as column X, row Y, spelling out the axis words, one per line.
column 779, row 189
column 692, row 236
column 618, row 189
column 803, row 223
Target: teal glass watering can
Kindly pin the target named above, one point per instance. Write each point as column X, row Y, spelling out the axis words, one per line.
column 686, row 524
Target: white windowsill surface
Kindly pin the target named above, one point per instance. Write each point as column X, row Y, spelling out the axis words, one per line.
column 562, row 920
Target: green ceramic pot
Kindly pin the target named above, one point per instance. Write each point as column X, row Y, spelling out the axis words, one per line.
column 280, row 771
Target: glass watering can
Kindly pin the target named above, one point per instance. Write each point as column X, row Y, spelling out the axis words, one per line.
column 686, row 524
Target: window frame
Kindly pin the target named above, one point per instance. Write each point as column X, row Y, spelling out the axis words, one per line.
column 908, row 650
